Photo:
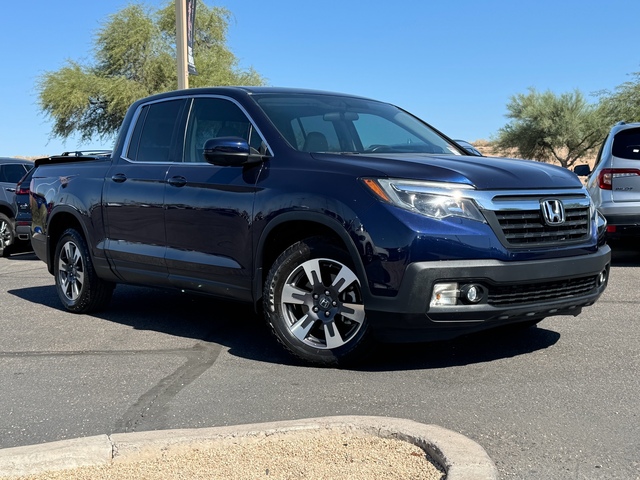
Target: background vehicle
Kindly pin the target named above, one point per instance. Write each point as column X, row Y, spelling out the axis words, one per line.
column 346, row 220
column 22, row 208
column 614, row 183
column 469, row 147
column 11, row 171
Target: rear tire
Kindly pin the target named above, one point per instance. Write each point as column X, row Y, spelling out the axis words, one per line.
column 7, row 235
column 77, row 285
column 314, row 306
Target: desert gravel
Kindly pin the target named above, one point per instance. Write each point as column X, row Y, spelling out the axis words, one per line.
column 292, row 455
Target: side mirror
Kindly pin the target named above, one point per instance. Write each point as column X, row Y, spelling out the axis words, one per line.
column 229, row 152
column 582, row 170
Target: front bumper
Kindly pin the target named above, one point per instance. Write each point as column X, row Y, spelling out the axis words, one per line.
column 516, row 292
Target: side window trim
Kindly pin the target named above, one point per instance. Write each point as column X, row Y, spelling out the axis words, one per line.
column 136, row 131
column 178, row 145
column 134, row 134
column 599, row 155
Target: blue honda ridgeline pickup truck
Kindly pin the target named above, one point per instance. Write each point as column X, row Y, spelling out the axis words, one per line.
column 345, row 220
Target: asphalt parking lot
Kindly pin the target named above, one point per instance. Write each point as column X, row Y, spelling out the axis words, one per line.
column 556, row 402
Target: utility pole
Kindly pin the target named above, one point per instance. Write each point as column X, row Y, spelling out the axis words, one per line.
column 181, row 44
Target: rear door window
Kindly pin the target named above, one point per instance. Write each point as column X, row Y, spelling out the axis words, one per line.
column 155, row 132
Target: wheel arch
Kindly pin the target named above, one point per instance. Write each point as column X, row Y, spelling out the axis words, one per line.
column 291, row 227
column 7, row 210
column 62, row 218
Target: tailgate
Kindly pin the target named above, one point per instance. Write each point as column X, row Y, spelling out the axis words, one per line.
column 625, row 161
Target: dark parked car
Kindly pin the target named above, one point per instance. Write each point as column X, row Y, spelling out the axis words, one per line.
column 22, row 208
column 11, row 171
column 344, row 219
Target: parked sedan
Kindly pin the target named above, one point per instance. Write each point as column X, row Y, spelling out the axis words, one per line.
column 11, row 171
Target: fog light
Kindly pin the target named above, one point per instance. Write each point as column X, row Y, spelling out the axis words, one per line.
column 444, row 294
column 472, row 293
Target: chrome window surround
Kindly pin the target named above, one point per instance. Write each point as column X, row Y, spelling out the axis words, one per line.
column 136, row 116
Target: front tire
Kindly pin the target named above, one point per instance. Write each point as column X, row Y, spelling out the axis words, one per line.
column 7, row 235
column 77, row 285
column 313, row 303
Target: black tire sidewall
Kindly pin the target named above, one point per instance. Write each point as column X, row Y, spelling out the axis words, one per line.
column 10, row 224
column 83, row 303
column 287, row 262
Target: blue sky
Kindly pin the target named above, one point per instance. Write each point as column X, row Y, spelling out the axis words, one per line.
column 453, row 63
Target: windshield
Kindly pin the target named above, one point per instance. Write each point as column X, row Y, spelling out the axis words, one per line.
column 340, row 124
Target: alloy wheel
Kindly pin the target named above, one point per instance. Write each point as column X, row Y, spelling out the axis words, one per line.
column 71, row 271
column 322, row 303
column 5, row 235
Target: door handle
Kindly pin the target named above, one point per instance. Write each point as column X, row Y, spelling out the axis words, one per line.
column 119, row 177
column 177, row 181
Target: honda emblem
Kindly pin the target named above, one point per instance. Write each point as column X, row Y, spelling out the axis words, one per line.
column 552, row 212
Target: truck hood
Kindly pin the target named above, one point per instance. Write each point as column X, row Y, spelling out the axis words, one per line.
column 484, row 173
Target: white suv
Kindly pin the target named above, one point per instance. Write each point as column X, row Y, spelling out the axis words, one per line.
column 614, row 182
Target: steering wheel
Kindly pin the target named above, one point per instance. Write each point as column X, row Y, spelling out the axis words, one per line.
column 375, row 148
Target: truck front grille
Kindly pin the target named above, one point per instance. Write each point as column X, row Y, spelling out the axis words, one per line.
column 538, row 292
column 527, row 226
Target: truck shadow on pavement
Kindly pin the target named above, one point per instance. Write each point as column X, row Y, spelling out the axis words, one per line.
column 625, row 253
column 487, row 346
column 239, row 328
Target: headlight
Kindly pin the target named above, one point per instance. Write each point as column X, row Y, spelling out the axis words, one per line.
column 434, row 200
column 600, row 221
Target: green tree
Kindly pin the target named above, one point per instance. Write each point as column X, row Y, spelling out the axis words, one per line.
column 623, row 104
column 549, row 127
column 134, row 56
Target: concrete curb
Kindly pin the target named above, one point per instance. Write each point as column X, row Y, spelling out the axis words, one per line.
column 462, row 458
